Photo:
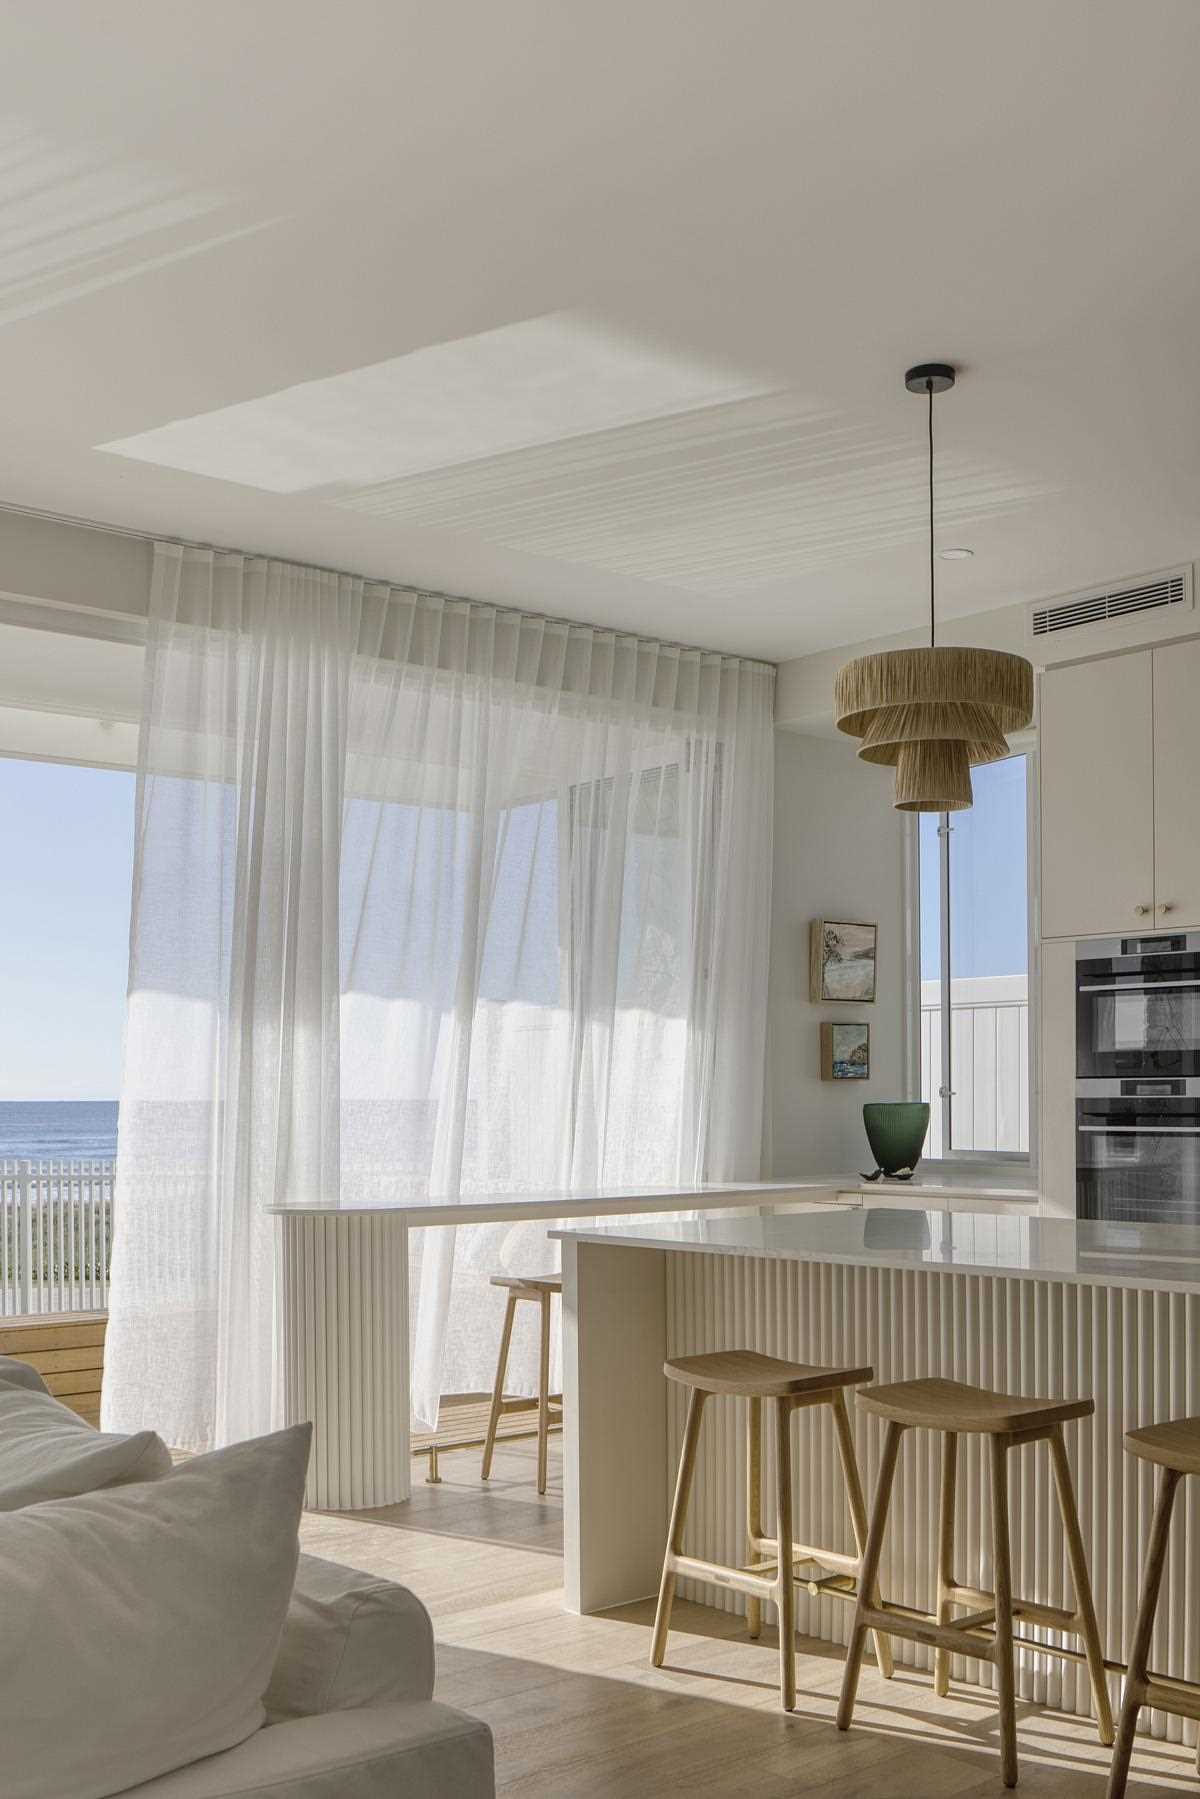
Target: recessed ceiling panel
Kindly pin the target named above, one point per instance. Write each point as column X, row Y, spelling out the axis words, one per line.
column 722, row 501
column 540, row 381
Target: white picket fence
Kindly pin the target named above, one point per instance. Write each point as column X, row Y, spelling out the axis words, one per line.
column 56, row 1226
column 989, row 1052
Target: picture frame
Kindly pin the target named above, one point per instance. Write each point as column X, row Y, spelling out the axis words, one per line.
column 842, row 962
column 845, row 1051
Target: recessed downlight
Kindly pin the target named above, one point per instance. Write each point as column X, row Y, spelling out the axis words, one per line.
column 956, row 555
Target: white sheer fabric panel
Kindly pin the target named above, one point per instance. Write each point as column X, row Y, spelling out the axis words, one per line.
column 431, row 900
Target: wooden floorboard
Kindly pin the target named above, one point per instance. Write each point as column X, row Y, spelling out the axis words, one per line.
column 578, row 1713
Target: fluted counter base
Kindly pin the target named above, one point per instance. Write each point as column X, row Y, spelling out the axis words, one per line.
column 344, row 1288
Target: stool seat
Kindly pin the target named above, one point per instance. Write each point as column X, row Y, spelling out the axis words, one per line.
column 1174, row 1445
column 529, row 1283
column 746, row 1373
column 936, row 1404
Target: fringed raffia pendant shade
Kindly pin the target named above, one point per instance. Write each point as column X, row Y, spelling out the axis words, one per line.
column 933, row 714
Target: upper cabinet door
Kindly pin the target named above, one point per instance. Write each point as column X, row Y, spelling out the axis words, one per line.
column 1177, row 785
column 1097, row 779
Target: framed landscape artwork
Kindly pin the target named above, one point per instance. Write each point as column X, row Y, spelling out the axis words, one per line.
column 842, row 962
column 845, row 1052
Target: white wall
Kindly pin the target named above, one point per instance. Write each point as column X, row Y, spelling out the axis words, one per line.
column 804, row 688
column 839, row 853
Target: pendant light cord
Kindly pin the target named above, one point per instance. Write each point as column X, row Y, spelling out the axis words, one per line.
column 929, row 386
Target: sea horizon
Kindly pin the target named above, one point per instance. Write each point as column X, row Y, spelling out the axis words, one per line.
column 56, row 1129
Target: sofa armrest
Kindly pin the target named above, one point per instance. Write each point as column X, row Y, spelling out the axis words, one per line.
column 421, row 1751
column 350, row 1640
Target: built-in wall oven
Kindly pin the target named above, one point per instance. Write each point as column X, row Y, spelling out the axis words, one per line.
column 1137, row 1106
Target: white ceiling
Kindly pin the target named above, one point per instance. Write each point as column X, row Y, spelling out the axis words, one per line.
column 604, row 309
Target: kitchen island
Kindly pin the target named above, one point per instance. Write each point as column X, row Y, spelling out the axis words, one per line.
column 1018, row 1303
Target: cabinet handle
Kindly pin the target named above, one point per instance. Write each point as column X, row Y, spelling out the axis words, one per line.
column 1141, row 911
column 1167, row 906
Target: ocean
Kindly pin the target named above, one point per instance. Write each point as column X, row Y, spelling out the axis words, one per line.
column 48, row 1129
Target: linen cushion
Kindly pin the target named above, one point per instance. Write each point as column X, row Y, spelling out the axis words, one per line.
column 15, row 1373
column 47, row 1452
column 350, row 1640
column 141, row 1623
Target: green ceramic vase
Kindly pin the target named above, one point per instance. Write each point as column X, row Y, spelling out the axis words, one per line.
column 896, row 1132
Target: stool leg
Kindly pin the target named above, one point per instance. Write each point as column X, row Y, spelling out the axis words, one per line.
column 785, row 1586
column 945, row 1568
column 543, row 1436
column 683, row 1489
column 489, row 1443
column 1139, row 1650
column 858, row 1513
column 1002, row 1583
column 868, row 1579
column 754, row 1522
column 1085, row 1606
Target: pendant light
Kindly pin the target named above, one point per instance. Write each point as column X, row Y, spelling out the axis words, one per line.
column 932, row 714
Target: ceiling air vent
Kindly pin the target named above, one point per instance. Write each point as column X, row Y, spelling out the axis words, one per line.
column 1156, row 593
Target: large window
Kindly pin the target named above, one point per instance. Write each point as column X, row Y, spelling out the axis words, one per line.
column 64, row 956
column 974, row 967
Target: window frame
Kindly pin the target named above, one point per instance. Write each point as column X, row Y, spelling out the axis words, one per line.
column 1025, row 744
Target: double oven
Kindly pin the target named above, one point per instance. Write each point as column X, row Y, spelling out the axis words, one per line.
column 1137, row 1104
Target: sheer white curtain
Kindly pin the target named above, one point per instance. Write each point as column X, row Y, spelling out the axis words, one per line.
column 431, row 899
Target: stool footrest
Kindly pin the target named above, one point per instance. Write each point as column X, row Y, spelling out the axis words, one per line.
column 522, row 1404
column 1051, row 1617
column 760, row 1585
column 1172, row 1696
column 810, row 1552
column 975, row 1620
column 832, row 1586
column 916, row 1627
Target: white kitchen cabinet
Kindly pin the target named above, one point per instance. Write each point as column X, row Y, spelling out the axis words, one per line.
column 1097, row 784
column 1177, row 785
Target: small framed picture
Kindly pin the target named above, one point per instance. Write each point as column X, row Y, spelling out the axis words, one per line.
column 842, row 962
column 845, row 1052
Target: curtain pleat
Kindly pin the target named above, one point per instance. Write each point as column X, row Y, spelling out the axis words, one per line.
column 431, row 900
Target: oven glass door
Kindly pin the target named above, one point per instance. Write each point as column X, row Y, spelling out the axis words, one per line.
column 1138, row 1019
column 1139, row 1160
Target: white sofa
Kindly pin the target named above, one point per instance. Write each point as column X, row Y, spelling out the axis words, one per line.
column 350, row 1708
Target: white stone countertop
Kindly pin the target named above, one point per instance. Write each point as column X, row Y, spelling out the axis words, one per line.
column 579, row 1202
column 1158, row 1257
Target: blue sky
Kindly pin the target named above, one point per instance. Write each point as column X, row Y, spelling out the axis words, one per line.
column 64, row 929
column 988, row 879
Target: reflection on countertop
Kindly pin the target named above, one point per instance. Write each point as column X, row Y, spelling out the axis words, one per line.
column 1160, row 1257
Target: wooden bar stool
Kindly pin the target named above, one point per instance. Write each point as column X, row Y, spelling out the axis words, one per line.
column 744, row 1373
column 1176, row 1449
column 540, row 1289
column 986, row 1634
